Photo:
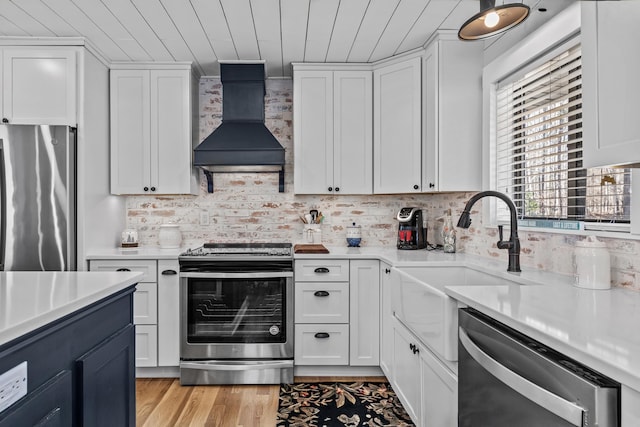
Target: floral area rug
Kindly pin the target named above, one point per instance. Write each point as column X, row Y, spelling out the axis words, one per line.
column 340, row 404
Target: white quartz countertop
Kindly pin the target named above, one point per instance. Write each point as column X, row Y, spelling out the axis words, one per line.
column 141, row 252
column 30, row 300
column 595, row 327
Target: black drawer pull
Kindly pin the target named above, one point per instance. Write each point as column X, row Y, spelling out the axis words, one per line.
column 169, row 272
column 321, row 270
column 321, row 293
column 123, row 269
column 322, row 335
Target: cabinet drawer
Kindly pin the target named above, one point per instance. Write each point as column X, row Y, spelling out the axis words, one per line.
column 145, row 304
column 320, row 270
column 318, row 302
column 146, row 346
column 322, row 344
column 148, row 267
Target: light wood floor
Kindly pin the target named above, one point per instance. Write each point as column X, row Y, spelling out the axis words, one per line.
column 164, row 402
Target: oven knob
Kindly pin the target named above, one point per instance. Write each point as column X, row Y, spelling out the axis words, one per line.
column 274, row 330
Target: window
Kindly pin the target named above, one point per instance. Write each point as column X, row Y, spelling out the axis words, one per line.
column 539, row 148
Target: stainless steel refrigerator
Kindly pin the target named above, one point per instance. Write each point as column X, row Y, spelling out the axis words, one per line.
column 37, row 198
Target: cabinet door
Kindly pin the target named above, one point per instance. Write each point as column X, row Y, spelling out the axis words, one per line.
column 353, row 132
column 397, row 118
column 406, row 369
column 430, row 120
column 130, row 134
column 386, row 317
column 440, row 391
column 170, row 127
column 611, row 87
column 364, row 313
column 168, row 313
column 106, row 379
column 146, row 346
column 313, row 132
column 51, row 405
column 145, row 304
column 39, row 86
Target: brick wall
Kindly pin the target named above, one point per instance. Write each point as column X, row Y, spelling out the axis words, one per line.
column 248, row 207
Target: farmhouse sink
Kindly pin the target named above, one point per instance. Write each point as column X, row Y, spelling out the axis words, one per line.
column 419, row 301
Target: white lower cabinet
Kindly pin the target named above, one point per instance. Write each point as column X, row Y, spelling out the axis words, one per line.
column 406, row 371
column 168, row 312
column 427, row 389
column 336, row 312
column 155, row 308
column 439, row 392
column 364, row 313
column 386, row 317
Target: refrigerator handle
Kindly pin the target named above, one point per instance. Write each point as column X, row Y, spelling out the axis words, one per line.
column 3, row 204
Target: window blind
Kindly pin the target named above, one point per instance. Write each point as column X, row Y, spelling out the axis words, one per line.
column 539, row 149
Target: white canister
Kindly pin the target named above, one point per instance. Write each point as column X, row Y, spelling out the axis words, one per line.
column 592, row 264
column 169, row 236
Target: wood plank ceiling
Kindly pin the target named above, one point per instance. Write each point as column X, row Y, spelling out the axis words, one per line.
column 205, row 31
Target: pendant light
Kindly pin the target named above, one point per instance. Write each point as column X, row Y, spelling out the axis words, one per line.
column 492, row 20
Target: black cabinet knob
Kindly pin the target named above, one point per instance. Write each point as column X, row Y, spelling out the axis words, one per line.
column 337, row 189
column 169, row 273
column 5, row 120
column 330, row 188
column 146, row 188
column 322, row 335
column 415, row 187
column 387, row 271
column 431, row 185
column 153, row 188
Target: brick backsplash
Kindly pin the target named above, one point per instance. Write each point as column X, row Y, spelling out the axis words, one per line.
column 248, row 207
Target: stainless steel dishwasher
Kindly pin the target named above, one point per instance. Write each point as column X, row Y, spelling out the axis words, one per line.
column 507, row 379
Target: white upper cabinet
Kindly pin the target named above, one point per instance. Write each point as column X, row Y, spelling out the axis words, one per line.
column 452, row 115
column 39, row 86
column 397, row 127
column 151, row 131
column 332, row 129
column 610, row 39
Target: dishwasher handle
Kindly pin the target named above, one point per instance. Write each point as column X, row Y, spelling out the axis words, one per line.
column 555, row 404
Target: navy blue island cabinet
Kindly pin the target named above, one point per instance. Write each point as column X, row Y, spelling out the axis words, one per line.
column 80, row 368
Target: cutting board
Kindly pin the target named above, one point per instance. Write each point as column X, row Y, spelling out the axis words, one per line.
column 310, row 249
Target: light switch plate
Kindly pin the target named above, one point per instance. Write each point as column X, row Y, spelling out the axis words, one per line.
column 204, row 217
column 13, row 385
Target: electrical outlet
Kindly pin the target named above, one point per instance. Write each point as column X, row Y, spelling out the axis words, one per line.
column 204, row 216
column 13, row 385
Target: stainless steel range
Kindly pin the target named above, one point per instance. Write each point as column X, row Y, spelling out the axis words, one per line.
column 236, row 320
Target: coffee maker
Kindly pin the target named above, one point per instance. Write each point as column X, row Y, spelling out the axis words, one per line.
column 411, row 231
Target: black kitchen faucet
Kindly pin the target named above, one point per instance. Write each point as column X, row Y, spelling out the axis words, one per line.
column 513, row 244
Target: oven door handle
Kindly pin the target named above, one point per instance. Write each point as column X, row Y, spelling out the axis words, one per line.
column 230, row 366
column 553, row 403
column 250, row 275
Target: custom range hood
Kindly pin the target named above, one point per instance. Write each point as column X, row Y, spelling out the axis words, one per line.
column 242, row 143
